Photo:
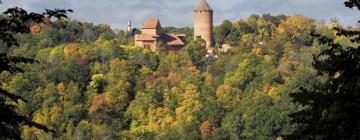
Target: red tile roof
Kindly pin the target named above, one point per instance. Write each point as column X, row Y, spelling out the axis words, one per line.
column 152, row 24
column 172, row 40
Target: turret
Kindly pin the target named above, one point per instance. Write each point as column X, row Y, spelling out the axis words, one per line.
column 129, row 28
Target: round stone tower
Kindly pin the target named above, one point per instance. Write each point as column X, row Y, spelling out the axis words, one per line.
column 203, row 23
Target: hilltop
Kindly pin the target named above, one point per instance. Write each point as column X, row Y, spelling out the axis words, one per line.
column 92, row 82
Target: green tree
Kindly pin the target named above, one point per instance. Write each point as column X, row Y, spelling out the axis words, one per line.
column 222, row 31
column 197, row 52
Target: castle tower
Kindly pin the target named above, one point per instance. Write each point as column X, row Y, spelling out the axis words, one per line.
column 203, row 23
column 129, row 28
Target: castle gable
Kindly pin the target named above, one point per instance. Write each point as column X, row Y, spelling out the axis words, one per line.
column 152, row 24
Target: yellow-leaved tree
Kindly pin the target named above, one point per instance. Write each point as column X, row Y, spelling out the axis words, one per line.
column 189, row 105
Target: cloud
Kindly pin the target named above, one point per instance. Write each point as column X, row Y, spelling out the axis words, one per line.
column 179, row 12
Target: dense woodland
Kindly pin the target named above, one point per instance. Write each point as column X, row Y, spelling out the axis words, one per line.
column 91, row 82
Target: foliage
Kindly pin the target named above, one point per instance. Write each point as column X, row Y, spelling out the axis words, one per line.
column 93, row 83
column 16, row 21
column 197, row 52
column 330, row 109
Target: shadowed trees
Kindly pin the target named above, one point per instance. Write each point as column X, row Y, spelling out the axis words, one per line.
column 331, row 109
column 17, row 21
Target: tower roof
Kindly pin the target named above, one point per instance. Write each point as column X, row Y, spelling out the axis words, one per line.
column 203, row 6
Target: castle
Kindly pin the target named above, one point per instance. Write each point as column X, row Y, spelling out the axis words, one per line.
column 151, row 33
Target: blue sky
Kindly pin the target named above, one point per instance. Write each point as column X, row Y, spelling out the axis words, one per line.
column 179, row 12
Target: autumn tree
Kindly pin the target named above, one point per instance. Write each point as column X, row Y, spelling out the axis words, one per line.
column 298, row 28
column 189, row 105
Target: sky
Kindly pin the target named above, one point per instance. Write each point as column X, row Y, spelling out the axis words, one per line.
column 178, row 13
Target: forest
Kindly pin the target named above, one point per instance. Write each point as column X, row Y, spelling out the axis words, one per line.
column 91, row 82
